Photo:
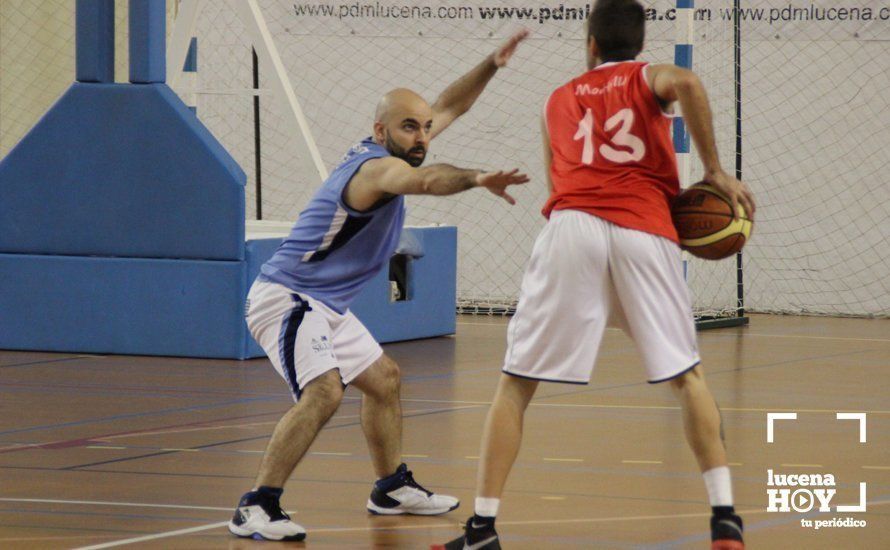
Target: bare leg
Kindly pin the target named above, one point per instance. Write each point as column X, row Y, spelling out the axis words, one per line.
column 502, row 434
column 382, row 414
column 298, row 427
column 701, row 419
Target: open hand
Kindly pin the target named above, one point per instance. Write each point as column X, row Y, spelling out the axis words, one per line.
column 505, row 52
column 497, row 182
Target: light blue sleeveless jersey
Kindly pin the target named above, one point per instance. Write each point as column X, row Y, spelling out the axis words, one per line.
column 333, row 251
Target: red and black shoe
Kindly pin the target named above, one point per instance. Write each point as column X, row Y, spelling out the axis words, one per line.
column 726, row 533
column 479, row 534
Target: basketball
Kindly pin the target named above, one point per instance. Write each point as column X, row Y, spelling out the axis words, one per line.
column 704, row 221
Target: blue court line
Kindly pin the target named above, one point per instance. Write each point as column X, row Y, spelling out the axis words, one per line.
column 133, row 415
column 79, row 529
column 245, row 439
column 103, row 514
column 110, row 390
column 32, row 363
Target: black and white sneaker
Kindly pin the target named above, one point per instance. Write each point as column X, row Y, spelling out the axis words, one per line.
column 479, row 534
column 726, row 532
column 259, row 516
column 400, row 494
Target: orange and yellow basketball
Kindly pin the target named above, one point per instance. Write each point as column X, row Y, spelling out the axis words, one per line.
column 705, row 224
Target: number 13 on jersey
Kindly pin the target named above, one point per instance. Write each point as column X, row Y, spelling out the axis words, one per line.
column 634, row 149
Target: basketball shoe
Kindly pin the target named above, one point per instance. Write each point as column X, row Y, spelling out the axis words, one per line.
column 726, row 533
column 400, row 494
column 259, row 516
column 479, row 534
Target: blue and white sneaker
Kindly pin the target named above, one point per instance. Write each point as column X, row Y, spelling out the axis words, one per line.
column 400, row 494
column 259, row 516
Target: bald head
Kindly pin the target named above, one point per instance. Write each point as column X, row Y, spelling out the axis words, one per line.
column 399, row 102
column 402, row 124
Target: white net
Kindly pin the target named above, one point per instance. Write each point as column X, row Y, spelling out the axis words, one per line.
column 37, row 59
column 815, row 123
column 341, row 62
column 817, row 130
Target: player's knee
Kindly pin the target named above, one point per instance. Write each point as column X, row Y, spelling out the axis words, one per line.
column 390, row 376
column 325, row 392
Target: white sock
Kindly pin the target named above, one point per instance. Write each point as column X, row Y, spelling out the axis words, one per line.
column 487, row 507
column 719, row 486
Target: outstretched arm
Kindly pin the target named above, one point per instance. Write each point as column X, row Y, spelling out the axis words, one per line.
column 388, row 176
column 671, row 83
column 462, row 93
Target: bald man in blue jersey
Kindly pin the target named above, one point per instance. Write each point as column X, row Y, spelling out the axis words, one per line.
column 298, row 308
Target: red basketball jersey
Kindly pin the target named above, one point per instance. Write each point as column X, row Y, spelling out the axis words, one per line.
column 613, row 155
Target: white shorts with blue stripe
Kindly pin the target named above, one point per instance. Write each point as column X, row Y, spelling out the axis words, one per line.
column 304, row 338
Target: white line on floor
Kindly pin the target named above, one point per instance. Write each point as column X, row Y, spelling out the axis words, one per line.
column 107, row 503
column 155, row 536
column 434, row 525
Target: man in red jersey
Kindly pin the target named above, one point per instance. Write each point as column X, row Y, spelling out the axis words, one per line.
column 609, row 255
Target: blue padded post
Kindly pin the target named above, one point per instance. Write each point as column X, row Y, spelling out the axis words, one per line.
column 147, row 41
column 94, row 40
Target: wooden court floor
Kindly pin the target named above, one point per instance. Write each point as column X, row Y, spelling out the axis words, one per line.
column 154, row 452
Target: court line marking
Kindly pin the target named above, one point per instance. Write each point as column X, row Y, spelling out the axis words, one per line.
column 449, row 525
column 876, row 467
column 756, row 334
column 547, row 459
column 114, row 503
column 327, row 453
column 415, row 456
column 155, row 536
column 653, row 407
column 807, row 337
column 67, row 537
column 62, row 360
column 207, row 527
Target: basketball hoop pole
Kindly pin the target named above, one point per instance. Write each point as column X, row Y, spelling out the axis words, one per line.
column 683, row 58
column 683, row 50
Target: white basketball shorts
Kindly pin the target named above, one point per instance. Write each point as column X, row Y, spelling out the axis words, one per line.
column 304, row 338
column 585, row 274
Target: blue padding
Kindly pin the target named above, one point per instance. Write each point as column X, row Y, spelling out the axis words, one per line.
column 681, row 136
column 94, row 40
column 191, row 58
column 148, row 21
column 432, row 291
column 258, row 252
column 683, row 55
column 685, row 4
column 122, row 305
column 121, row 170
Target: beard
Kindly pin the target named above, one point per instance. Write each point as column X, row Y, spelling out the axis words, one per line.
column 413, row 156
